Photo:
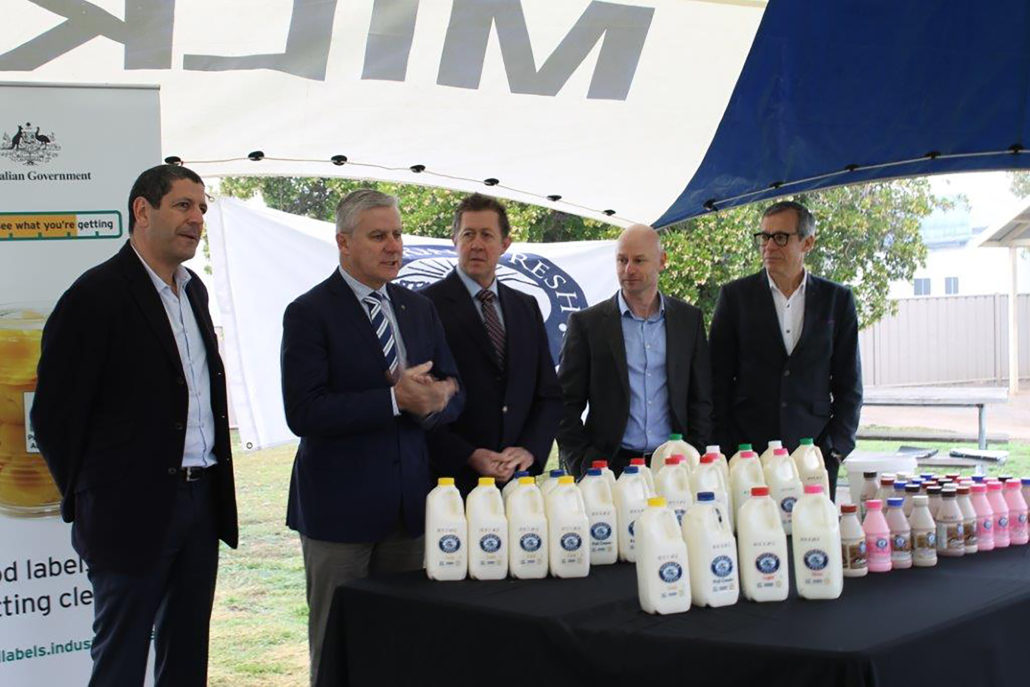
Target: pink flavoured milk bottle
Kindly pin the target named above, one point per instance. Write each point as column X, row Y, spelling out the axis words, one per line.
column 1018, row 532
column 1001, row 514
column 984, row 518
column 877, row 537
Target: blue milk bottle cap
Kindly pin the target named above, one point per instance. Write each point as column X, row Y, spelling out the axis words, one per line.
column 895, row 501
column 899, row 485
column 631, row 470
column 557, row 473
column 594, row 472
column 705, row 496
column 521, row 473
column 979, row 478
column 1025, row 481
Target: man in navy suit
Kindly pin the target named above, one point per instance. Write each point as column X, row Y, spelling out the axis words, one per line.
column 130, row 415
column 785, row 360
column 365, row 371
column 513, row 401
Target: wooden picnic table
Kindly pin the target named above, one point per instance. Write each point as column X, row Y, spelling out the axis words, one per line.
column 941, row 396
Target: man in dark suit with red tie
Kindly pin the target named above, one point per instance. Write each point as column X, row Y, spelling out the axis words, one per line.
column 513, row 401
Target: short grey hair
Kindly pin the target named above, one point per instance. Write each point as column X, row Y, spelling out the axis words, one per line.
column 806, row 222
column 350, row 207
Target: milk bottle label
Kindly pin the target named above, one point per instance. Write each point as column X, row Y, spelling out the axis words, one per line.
column 816, row 561
column 986, row 524
column 571, row 542
column 1003, row 522
column 768, row 564
column 854, row 553
column 969, row 532
column 723, row 577
column 530, row 542
column 490, row 543
column 881, row 545
column 901, row 547
column 670, row 573
column 787, row 504
column 924, row 544
column 600, row 535
column 449, row 543
column 951, row 535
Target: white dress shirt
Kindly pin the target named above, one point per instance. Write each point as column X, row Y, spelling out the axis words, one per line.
column 790, row 312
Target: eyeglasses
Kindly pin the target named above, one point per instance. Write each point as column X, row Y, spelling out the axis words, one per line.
column 780, row 238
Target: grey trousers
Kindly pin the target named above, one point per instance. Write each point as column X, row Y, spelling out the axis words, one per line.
column 329, row 564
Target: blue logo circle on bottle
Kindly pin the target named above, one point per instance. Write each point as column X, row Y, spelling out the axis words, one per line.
column 530, row 542
column 899, row 541
column 449, row 543
column 816, row 559
column 882, row 544
column 861, row 547
column 1003, row 521
column 601, row 531
column 767, row 563
column 931, row 539
column 670, row 572
column 787, row 504
column 570, row 541
column 490, row 543
column 722, row 566
column 986, row 524
column 1022, row 518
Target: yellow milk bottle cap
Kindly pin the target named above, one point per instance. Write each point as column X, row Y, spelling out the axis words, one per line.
column 527, row 480
column 486, row 481
column 445, row 481
column 566, row 479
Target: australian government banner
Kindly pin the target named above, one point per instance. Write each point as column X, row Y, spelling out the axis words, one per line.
column 262, row 259
column 68, row 156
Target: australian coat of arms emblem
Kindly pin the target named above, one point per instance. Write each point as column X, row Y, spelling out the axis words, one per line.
column 28, row 145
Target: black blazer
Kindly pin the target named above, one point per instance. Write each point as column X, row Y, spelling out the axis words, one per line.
column 593, row 370
column 359, row 469
column 761, row 393
column 517, row 406
column 110, row 412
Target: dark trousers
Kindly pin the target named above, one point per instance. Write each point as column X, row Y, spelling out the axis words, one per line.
column 173, row 600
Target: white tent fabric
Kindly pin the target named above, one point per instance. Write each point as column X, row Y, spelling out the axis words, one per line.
column 262, row 259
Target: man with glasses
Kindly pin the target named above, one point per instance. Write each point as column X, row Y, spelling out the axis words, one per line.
column 785, row 360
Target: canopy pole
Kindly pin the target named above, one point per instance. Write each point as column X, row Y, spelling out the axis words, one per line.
column 1013, row 329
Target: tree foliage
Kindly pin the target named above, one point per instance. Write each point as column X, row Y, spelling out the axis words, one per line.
column 867, row 235
column 1019, row 184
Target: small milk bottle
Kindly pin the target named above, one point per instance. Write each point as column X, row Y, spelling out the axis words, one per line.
column 712, row 553
column 885, row 491
column 720, row 461
column 877, row 537
column 673, row 484
column 911, row 489
column 746, row 473
column 869, row 488
column 762, row 548
column 631, row 496
column 708, row 477
column 901, row 534
column 446, row 533
column 784, row 484
column 984, row 518
column 770, row 451
column 1001, row 514
column 965, row 504
column 551, row 482
column 808, row 459
column 646, row 473
column 606, row 472
column 818, row 569
column 933, row 493
column 663, row 571
column 852, row 542
column 951, row 540
column 527, row 531
column 568, row 530
column 488, row 532
column 924, row 533
column 600, row 504
column 1018, row 533
column 740, row 450
column 512, row 483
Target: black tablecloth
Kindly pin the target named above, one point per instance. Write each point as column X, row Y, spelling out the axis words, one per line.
column 965, row 622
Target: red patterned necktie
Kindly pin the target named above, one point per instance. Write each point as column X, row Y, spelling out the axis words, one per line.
column 494, row 329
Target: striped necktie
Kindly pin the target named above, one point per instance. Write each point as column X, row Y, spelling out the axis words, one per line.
column 383, row 330
column 494, row 328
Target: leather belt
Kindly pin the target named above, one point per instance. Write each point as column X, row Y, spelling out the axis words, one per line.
column 194, row 473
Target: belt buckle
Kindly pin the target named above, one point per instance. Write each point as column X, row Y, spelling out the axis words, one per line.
column 192, row 473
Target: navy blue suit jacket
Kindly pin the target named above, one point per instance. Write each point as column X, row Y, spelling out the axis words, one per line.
column 519, row 405
column 359, row 469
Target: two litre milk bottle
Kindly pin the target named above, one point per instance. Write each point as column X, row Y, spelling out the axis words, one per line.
column 488, row 532
column 675, row 446
column 712, row 553
column 762, row 548
column 818, row 569
column 673, row 484
column 631, row 496
column 745, row 474
column 784, row 484
column 852, row 542
column 568, row 529
column 600, row 504
column 527, row 531
column 808, row 459
column 663, row 573
column 446, row 533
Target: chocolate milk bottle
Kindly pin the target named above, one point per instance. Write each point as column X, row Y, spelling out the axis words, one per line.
column 951, row 539
column 924, row 534
column 852, row 542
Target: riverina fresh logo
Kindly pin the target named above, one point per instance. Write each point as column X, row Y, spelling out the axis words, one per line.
column 28, row 145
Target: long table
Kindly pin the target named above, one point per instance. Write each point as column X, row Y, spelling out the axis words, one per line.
column 941, row 396
column 965, row 622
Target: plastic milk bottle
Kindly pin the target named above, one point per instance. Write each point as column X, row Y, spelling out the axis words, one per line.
column 720, row 461
column 818, row 569
column 606, row 472
column 901, row 534
column 745, row 474
column 924, row 533
column 1018, row 533
column 675, row 446
column 784, row 483
column 446, row 533
column 869, row 489
column 630, row 501
column 708, row 477
column 736, row 456
column 770, row 451
column 527, row 531
column 951, row 540
column 808, row 459
column 984, row 518
column 599, row 500
column 712, row 552
column 646, row 473
column 877, row 537
column 551, row 482
column 663, row 574
column 968, row 518
column 852, row 542
column 488, row 532
column 673, row 484
column 512, row 483
column 568, row 529
column 1001, row 515
column 762, row 548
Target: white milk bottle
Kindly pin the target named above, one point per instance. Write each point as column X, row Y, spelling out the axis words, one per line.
column 721, row 462
column 852, row 542
column 745, row 474
column 708, row 477
column 740, row 450
column 446, row 533
column 784, row 483
column 606, row 472
column 630, row 501
column 599, row 499
column 869, row 489
column 663, row 574
column 512, row 483
column 762, row 548
column 924, row 533
column 645, row 472
column 673, row 484
column 818, row 568
column 675, row 446
column 808, row 459
column 488, row 532
column 712, row 553
column 770, row 450
column 527, row 531
column 568, row 529
column 551, row 482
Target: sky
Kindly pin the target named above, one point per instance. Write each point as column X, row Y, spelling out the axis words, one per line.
column 990, row 200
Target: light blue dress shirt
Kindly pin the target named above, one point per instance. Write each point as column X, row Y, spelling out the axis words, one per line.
column 648, row 424
column 474, row 288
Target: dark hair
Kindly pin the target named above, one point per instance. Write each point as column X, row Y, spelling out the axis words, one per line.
column 477, row 202
column 155, row 183
column 806, row 222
